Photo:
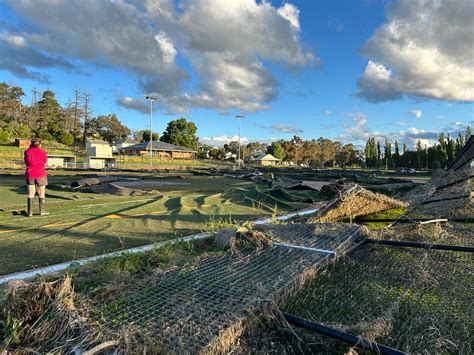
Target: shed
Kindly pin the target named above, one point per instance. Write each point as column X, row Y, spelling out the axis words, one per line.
column 98, row 148
column 22, row 143
column 91, row 162
column 265, row 160
column 61, row 161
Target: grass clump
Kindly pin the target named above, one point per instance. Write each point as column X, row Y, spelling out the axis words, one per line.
column 392, row 213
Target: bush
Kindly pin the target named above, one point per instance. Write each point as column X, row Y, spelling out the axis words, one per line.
column 4, row 137
column 66, row 138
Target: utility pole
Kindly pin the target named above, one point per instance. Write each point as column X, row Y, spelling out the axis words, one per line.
column 239, row 118
column 151, row 99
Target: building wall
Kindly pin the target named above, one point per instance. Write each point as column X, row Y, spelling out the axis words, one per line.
column 161, row 154
column 22, row 143
column 98, row 150
column 266, row 162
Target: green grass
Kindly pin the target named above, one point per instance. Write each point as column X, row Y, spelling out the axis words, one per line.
column 398, row 297
column 84, row 224
column 393, row 213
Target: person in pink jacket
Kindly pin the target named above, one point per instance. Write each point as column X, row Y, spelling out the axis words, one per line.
column 36, row 177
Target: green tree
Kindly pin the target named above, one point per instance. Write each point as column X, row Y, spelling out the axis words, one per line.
column 276, row 150
column 346, row 155
column 388, row 154
column 396, row 156
column 144, row 136
column 49, row 114
column 181, row 132
column 370, row 153
column 109, row 128
column 66, row 138
column 468, row 133
column 4, row 137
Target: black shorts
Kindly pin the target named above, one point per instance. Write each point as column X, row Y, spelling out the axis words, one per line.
column 42, row 181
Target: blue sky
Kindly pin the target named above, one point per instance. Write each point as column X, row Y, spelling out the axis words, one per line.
column 340, row 69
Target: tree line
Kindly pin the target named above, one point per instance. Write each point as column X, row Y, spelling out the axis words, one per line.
column 321, row 152
column 439, row 155
column 47, row 119
column 74, row 122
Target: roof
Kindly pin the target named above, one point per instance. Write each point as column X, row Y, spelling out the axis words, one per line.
column 158, row 146
column 267, row 157
column 465, row 156
column 97, row 141
column 127, row 140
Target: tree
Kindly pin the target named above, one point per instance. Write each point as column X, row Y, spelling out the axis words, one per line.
column 388, row 154
column 232, row 147
column 346, row 155
column 50, row 117
column 145, row 136
column 109, row 128
column 396, row 156
column 86, row 111
column 276, row 150
column 217, row 153
column 66, row 138
column 181, row 132
column 468, row 133
column 4, row 136
column 370, row 153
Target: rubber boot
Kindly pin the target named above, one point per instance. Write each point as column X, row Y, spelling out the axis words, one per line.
column 41, row 206
column 29, row 205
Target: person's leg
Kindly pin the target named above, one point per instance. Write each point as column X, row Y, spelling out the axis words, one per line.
column 31, row 189
column 41, row 186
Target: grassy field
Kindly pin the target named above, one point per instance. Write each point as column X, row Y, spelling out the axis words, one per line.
column 85, row 223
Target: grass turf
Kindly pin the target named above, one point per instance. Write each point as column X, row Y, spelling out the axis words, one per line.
column 84, row 224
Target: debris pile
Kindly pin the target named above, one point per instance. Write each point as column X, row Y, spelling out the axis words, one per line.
column 353, row 201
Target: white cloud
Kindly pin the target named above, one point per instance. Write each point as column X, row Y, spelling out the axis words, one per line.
column 328, row 113
column 377, row 83
column 219, row 141
column 290, row 13
column 282, row 128
column 226, row 43
column 358, row 133
column 423, row 50
column 416, row 113
column 135, row 104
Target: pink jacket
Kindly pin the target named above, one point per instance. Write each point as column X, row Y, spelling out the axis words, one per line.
column 35, row 160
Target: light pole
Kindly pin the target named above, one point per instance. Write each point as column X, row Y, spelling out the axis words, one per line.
column 150, row 141
column 239, row 118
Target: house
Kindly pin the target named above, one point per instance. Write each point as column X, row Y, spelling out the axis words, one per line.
column 98, row 155
column 265, row 160
column 160, row 149
column 122, row 144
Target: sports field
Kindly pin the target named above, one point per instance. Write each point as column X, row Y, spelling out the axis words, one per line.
column 82, row 223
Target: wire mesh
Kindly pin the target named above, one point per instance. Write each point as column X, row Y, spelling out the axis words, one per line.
column 204, row 306
column 413, row 300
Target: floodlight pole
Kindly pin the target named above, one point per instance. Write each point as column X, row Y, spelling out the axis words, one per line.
column 150, row 141
column 239, row 118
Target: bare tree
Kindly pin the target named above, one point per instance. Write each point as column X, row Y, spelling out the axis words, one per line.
column 86, row 111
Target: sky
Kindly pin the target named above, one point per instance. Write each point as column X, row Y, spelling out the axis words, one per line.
column 342, row 69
